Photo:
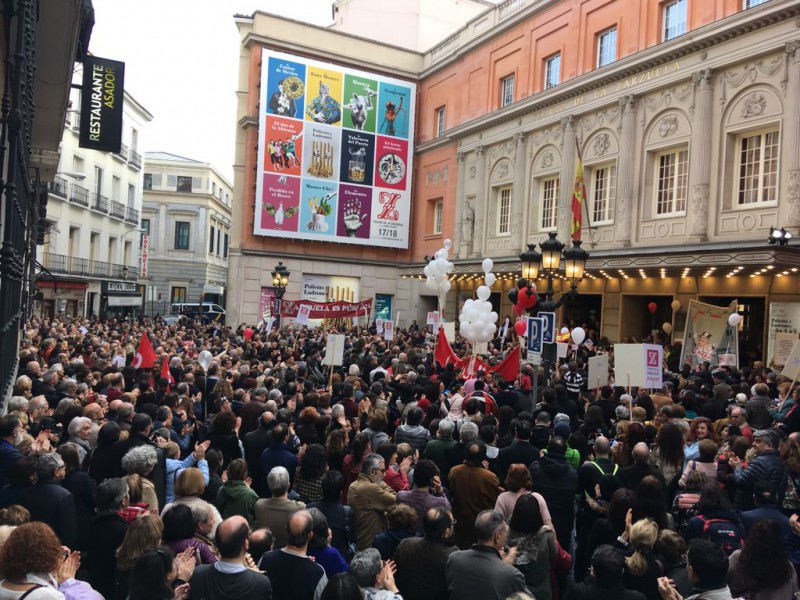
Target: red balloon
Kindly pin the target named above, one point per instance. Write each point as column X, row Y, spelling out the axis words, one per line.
column 652, row 307
column 527, row 297
column 520, row 327
column 518, row 310
column 248, row 334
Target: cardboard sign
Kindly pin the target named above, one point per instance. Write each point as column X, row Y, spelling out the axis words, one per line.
column 379, row 325
column 449, row 330
column 534, row 358
column 388, row 331
column 433, row 318
column 303, row 313
column 334, row 350
column 535, row 335
column 654, row 366
column 549, row 324
column 792, row 367
column 598, row 371
column 639, row 365
column 561, row 350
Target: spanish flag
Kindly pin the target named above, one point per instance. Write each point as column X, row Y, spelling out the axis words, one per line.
column 578, row 198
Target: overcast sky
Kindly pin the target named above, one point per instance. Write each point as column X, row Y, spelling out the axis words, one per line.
column 182, row 63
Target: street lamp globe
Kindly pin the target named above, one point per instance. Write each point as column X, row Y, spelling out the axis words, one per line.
column 551, row 254
column 531, row 261
column 575, row 263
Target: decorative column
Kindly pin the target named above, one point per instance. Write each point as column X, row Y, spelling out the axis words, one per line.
column 459, row 241
column 518, row 210
column 625, row 172
column 481, row 203
column 791, row 131
column 700, row 162
column 569, row 154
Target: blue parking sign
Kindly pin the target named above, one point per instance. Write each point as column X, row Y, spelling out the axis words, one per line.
column 535, row 335
column 549, row 324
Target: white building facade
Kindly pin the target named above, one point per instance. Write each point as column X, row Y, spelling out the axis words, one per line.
column 90, row 256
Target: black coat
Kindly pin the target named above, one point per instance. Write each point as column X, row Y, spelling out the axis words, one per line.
column 51, row 503
column 106, row 532
column 254, row 444
column 590, row 590
column 82, row 488
column 519, row 452
column 557, row 482
column 159, row 474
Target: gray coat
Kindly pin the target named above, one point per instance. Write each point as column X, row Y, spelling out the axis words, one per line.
column 480, row 574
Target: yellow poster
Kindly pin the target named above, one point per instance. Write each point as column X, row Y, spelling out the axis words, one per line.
column 324, row 96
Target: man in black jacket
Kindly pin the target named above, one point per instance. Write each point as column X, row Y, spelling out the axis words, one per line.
column 422, row 562
column 107, row 530
column 557, row 482
column 255, row 443
column 49, row 502
column 141, row 429
column 520, row 451
column 605, row 582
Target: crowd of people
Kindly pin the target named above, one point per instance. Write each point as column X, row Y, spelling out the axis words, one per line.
column 267, row 475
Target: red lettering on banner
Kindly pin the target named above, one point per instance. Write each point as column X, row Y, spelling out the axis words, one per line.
column 389, row 201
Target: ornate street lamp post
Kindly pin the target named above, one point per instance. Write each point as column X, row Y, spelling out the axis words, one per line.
column 280, row 279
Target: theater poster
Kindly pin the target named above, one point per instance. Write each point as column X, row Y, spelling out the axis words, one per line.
column 335, row 153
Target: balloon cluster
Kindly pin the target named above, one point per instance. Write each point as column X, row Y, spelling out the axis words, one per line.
column 478, row 321
column 438, row 273
column 524, row 297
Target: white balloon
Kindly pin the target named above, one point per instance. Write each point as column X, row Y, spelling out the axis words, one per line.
column 448, row 244
column 441, row 265
column 468, row 303
column 484, row 292
column 490, row 279
column 431, row 285
column 493, row 317
column 734, row 319
column 667, row 327
column 427, row 271
column 578, row 335
column 205, row 359
column 450, row 267
column 564, row 330
column 676, row 305
column 487, row 265
column 438, row 254
column 444, row 286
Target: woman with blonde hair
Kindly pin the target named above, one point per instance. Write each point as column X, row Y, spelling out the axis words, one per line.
column 642, row 570
column 143, row 535
column 189, row 486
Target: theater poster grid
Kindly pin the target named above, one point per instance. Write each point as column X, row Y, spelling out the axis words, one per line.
column 335, row 153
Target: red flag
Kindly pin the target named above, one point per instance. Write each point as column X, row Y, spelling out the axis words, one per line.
column 145, row 356
column 509, row 367
column 443, row 353
column 578, row 198
column 165, row 373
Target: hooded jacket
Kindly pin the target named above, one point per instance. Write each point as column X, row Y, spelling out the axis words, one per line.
column 237, row 498
column 557, row 482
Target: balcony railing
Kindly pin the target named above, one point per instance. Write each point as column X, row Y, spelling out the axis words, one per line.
column 132, row 215
column 117, row 210
column 59, row 187
column 79, row 195
column 135, row 159
column 123, row 153
column 99, row 203
column 59, row 264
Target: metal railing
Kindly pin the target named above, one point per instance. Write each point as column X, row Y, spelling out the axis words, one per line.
column 132, row 215
column 55, row 263
column 99, row 203
column 117, row 210
column 79, row 195
column 123, row 152
column 59, row 187
column 60, row 264
column 98, row 268
column 78, row 266
column 135, row 159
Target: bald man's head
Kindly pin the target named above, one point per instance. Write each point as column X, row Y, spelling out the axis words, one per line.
column 232, row 538
column 115, row 404
column 298, row 529
column 641, row 453
column 602, row 447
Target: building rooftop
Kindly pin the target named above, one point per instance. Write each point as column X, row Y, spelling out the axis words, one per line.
column 169, row 156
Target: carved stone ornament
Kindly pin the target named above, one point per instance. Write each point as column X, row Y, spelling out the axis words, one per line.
column 793, row 198
column 668, row 126
column 435, row 175
column 698, row 209
column 548, row 158
column 502, row 170
column 601, row 144
column 753, row 105
column 472, row 171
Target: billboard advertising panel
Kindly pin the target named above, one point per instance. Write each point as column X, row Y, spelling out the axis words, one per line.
column 335, row 153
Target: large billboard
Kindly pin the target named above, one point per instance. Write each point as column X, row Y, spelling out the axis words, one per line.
column 335, row 153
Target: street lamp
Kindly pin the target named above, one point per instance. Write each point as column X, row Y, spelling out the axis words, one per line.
column 280, row 279
column 548, row 264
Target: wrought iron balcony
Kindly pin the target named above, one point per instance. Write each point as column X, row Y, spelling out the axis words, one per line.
column 117, row 210
column 99, row 203
column 79, row 195
column 123, row 153
column 59, row 187
column 135, row 159
column 132, row 215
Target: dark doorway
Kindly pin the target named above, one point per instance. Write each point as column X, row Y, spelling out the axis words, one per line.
column 638, row 323
column 751, row 328
column 584, row 311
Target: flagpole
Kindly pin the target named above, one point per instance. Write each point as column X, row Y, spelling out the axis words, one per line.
column 585, row 199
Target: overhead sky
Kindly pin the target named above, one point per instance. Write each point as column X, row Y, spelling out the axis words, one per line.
column 181, row 63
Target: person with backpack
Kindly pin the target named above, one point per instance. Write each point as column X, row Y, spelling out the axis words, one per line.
column 684, row 505
column 716, row 521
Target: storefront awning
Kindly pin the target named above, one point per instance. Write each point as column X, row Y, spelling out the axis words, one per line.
column 61, row 285
column 124, row 301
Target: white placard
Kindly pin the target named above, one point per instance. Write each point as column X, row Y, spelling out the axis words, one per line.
column 629, row 365
column 334, row 350
column 792, row 367
column 449, row 330
column 598, row 371
column 534, row 358
column 379, row 326
column 784, row 317
column 654, row 366
column 388, row 331
column 561, row 349
column 302, row 314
